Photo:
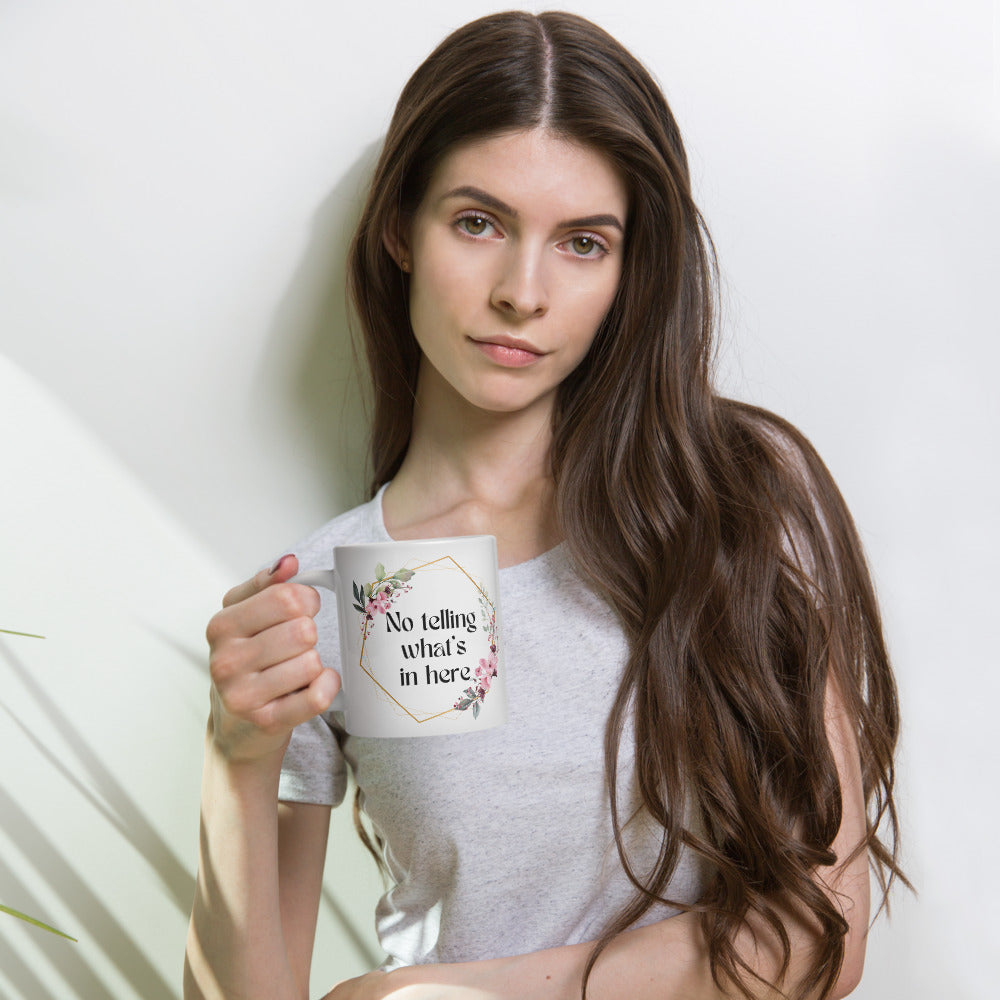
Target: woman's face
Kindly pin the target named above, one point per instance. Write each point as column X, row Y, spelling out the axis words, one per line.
column 516, row 254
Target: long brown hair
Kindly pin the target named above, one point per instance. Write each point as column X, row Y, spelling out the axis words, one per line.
column 712, row 527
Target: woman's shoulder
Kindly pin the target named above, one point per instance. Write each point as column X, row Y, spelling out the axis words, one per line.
column 770, row 450
column 359, row 525
column 767, row 435
column 788, row 483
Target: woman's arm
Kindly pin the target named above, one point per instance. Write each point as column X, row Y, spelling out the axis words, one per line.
column 667, row 960
column 251, row 927
column 303, row 830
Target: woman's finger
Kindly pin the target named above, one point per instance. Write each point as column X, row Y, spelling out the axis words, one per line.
column 288, row 711
column 284, row 569
column 260, row 611
column 255, row 690
column 238, row 658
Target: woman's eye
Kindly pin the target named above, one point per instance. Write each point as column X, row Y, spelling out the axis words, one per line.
column 586, row 246
column 474, row 225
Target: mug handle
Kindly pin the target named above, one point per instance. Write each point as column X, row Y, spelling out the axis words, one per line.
column 326, row 578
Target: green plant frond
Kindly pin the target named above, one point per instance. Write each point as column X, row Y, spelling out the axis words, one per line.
column 32, row 920
column 29, row 635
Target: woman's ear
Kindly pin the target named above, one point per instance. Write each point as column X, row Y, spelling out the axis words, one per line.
column 394, row 237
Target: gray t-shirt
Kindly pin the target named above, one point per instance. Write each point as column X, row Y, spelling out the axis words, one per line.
column 498, row 842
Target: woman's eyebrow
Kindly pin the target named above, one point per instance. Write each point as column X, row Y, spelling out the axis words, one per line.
column 494, row 203
column 589, row 221
column 484, row 197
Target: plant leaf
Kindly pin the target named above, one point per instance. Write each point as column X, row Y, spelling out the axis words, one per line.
column 32, row 920
column 475, row 709
column 380, row 571
column 404, row 574
column 358, row 596
column 357, row 607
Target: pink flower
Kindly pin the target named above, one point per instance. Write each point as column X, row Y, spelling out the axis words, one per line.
column 486, row 671
column 378, row 602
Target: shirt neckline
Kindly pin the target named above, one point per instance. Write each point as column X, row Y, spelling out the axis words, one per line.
column 554, row 559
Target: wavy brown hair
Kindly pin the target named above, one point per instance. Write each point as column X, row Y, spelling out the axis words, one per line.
column 712, row 527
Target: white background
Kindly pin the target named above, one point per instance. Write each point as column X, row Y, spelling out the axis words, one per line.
column 177, row 187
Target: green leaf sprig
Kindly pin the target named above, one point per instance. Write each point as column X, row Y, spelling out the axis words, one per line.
column 8, row 909
column 33, row 921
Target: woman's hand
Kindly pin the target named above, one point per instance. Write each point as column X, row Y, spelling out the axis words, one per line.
column 266, row 673
column 244, row 939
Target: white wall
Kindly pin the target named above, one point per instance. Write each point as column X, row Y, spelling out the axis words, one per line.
column 177, row 183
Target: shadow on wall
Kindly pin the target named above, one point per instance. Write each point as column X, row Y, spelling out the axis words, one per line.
column 309, row 366
column 103, row 929
column 102, row 723
column 317, row 384
column 110, row 799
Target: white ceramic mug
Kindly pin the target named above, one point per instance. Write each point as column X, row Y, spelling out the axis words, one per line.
column 420, row 635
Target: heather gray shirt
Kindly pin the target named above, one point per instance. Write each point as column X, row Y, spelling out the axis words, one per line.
column 498, row 842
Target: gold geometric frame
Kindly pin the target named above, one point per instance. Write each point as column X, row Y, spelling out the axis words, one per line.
column 434, row 565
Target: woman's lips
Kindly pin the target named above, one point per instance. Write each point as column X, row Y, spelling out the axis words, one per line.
column 508, row 353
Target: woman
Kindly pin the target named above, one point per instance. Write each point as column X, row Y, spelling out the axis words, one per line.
column 535, row 288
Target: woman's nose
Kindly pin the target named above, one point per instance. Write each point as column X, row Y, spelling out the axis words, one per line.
column 520, row 289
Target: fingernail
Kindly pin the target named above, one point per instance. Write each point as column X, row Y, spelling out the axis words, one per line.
column 274, row 569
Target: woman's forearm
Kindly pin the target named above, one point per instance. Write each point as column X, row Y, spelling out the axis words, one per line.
column 236, row 949
column 667, row 960
column 267, row 678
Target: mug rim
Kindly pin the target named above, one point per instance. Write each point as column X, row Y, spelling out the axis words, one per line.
column 421, row 542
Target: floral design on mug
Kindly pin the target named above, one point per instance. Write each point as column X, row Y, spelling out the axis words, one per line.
column 473, row 696
column 376, row 597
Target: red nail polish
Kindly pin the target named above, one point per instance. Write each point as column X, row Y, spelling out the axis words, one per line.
column 274, row 569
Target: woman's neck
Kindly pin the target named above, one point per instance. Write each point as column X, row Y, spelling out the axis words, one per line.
column 468, row 471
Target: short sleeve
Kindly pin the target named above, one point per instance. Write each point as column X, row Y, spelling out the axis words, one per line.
column 314, row 769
